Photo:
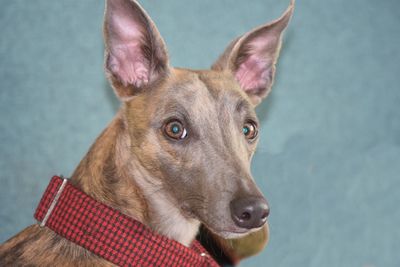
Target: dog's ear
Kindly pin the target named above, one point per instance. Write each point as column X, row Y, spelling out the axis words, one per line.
column 136, row 55
column 252, row 57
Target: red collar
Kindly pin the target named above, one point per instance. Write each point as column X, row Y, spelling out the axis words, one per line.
column 110, row 234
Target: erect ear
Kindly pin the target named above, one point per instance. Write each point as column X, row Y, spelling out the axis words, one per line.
column 252, row 57
column 135, row 56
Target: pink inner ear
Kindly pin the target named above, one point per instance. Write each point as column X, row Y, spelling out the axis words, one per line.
column 126, row 59
column 129, row 65
column 254, row 74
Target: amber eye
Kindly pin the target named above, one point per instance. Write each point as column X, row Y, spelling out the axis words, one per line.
column 250, row 130
column 175, row 130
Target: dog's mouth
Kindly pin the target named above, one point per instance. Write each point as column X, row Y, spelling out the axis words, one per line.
column 232, row 231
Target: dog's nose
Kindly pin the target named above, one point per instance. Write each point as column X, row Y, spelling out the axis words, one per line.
column 249, row 212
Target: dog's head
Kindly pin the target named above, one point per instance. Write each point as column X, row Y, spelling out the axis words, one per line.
column 194, row 131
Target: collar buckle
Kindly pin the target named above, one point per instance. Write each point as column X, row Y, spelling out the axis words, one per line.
column 54, row 202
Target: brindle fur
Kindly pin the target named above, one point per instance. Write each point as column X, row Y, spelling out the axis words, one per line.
column 172, row 187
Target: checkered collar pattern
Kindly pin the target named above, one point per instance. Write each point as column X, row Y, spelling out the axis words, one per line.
column 110, row 234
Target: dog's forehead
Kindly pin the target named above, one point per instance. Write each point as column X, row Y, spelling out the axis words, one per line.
column 206, row 87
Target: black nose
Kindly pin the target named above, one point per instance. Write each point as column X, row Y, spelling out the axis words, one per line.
column 249, row 212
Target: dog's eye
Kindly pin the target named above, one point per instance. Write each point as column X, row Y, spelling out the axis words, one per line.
column 175, row 130
column 250, row 130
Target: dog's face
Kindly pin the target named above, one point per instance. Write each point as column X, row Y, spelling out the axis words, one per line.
column 194, row 132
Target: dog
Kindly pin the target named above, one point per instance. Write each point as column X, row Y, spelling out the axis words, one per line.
column 177, row 154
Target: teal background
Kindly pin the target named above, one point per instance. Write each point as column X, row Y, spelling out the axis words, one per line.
column 329, row 156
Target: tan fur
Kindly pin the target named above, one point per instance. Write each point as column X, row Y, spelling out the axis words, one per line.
column 37, row 246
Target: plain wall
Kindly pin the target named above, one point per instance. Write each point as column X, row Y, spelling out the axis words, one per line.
column 329, row 155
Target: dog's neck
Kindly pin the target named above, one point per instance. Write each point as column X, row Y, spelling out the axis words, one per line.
column 111, row 174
